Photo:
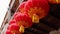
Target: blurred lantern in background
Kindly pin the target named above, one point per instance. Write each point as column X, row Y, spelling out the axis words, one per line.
column 13, row 29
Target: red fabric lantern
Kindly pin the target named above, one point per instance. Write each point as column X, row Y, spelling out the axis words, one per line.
column 13, row 28
column 23, row 19
column 37, row 9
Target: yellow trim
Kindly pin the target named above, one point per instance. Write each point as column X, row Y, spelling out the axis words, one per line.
column 35, row 18
column 21, row 29
column 57, row 1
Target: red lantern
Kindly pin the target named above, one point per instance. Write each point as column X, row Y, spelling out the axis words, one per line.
column 37, row 9
column 23, row 19
column 14, row 29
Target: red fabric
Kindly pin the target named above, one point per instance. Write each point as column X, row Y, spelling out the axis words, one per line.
column 12, row 21
column 37, row 3
column 22, row 5
column 13, row 26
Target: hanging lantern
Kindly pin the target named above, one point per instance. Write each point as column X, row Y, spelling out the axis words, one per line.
column 37, row 9
column 14, row 29
column 54, row 1
column 23, row 19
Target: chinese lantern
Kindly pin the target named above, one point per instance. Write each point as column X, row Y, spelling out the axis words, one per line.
column 23, row 19
column 54, row 1
column 37, row 9
column 14, row 29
